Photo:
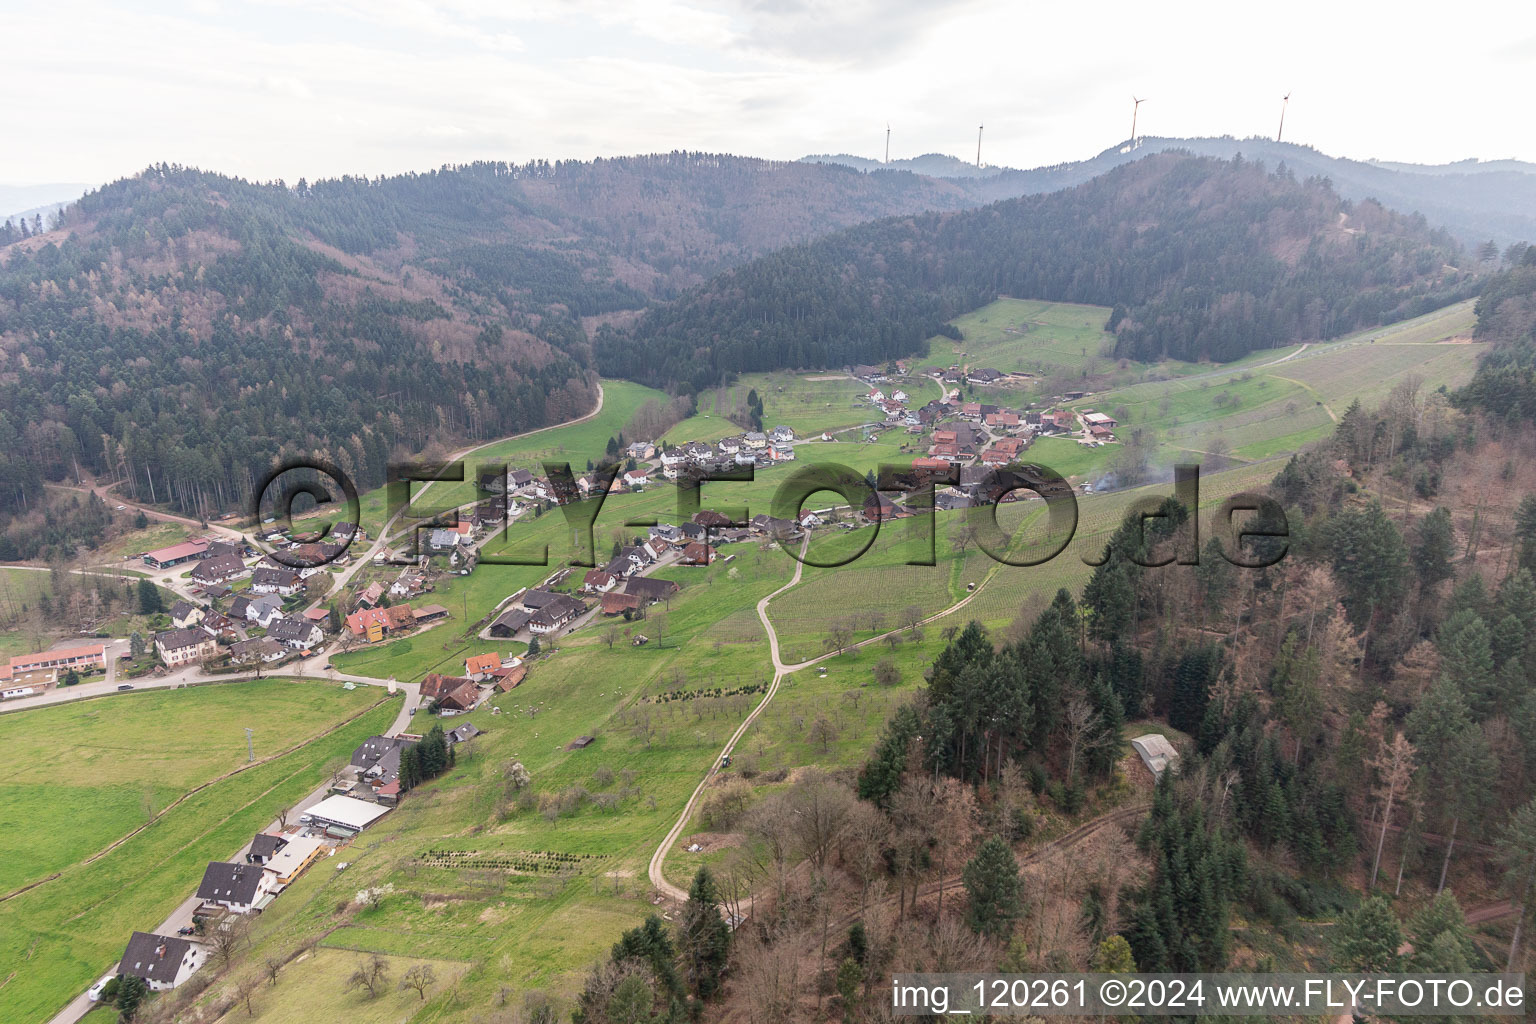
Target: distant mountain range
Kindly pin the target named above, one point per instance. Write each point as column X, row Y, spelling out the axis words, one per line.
column 1474, row 200
column 17, row 201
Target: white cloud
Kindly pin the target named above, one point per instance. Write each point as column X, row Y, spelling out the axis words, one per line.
column 287, row 88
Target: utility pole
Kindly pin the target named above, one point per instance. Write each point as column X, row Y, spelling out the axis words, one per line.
column 250, row 747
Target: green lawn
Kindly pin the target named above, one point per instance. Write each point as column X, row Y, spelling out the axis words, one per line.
column 56, row 938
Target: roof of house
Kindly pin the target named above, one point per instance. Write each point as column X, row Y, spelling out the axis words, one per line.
column 614, row 604
column 512, row 620
column 533, row 600
column 428, row 611
column 482, row 662
column 176, row 639
column 434, row 684
column 317, row 614
column 508, row 678
column 462, row 697
column 265, row 844
column 467, row 731
column 293, row 856
column 217, row 567
column 292, row 629
column 181, row 609
column 650, row 588
column 275, row 577
column 154, row 957
column 230, row 883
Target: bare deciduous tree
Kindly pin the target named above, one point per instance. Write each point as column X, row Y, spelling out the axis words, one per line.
column 421, row 977
column 371, row 974
column 1394, row 766
column 226, row 939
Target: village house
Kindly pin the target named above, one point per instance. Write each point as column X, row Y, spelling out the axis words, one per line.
column 986, row 375
column 237, row 888
column 371, row 595
column 641, row 450
column 756, row 440
column 284, row 582
column 481, row 666
column 184, row 646
column 260, row 650
column 781, row 435
column 510, row 677
column 222, row 569
column 730, row 445
column 652, row 590
column 636, row 478
column 377, row 759
column 161, row 961
column 655, row 547
column 220, row 626
column 184, row 614
column 618, row 604
column 598, row 581
column 263, row 611
column 698, row 554
column 296, row 633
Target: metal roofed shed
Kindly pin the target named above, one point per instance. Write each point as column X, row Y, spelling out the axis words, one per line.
column 1156, row 753
column 343, row 812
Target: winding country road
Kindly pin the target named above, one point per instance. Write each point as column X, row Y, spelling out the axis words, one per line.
column 780, row 670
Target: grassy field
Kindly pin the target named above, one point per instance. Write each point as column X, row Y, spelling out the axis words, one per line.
column 57, row 937
column 306, row 990
column 1029, row 335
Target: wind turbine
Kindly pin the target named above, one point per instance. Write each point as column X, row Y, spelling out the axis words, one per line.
column 978, row 144
column 1135, row 109
column 1285, row 101
column 887, row 142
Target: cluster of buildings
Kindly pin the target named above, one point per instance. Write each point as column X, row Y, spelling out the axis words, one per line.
column 754, row 448
column 275, row 859
column 26, row 674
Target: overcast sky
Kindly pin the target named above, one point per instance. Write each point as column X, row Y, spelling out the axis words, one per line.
column 94, row 91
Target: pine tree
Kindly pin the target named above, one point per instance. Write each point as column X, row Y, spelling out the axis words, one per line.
column 992, row 883
column 704, row 940
column 149, row 598
column 1367, row 938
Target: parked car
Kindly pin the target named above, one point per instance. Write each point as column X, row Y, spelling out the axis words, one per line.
column 188, row 930
column 125, row 686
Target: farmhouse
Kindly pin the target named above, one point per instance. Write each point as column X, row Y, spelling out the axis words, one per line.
column 161, row 961
column 650, row 589
column 618, row 604
column 221, row 569
column 434, row 685
column 183, row 646
column 463, row 697
column 698, row 554
column 428, row 613
column 237, row 888
column 186, row 551
column 1098, row 419
column 598, row 581
column 344, row 814
column 555, row 614
column 510, row 622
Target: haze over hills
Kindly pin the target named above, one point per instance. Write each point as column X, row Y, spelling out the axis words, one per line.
column 1475, row 200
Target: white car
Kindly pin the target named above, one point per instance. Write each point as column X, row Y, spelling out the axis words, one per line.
column 94, row 995
column 122, row 508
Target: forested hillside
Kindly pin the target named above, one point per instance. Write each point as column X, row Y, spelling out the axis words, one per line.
column 1505, row 384
column 180, row 329
column 1201, row 259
